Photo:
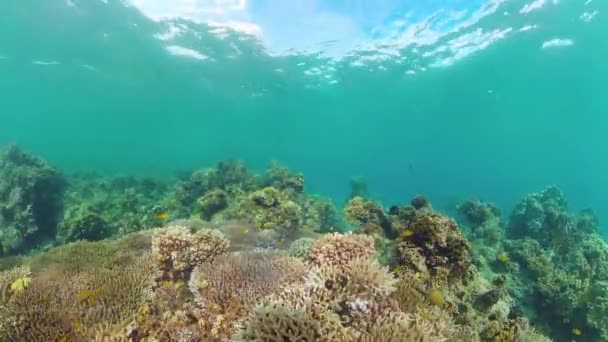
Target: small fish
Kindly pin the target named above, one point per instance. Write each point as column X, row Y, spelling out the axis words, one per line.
column 504, row 258
column 161, row 216
column 396, row 270
column 577, row 332
column 281, row 242
column 407, row 233
column 244, row 232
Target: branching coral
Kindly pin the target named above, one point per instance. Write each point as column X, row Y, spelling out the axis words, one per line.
column 177, row 251
column 283, row 321
column 340, row 249
column 238, row 280
column 51, row 308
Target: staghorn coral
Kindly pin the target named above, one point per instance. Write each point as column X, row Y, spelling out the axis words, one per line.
column 31, row 200
column 431, row 326
column 52, row 309
column 340, row 249
column 238, row 280
column 283, row 321
column 177, row 251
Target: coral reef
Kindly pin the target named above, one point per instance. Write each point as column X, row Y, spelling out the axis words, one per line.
column 177, row 251
column 58, row 306
column 83, row 223
column 124, row 204
column 226, row 254
column 562, row 262
column 339, row 249
column 484, row 219
column 212, row 203
column 31, row 200
column 300, row 248
column 369, row 216
column 431, row 243
column 237, row 281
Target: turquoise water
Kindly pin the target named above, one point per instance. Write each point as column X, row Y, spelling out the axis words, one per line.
column 503, row 99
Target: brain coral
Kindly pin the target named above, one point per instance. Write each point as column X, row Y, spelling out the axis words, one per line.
column 177, row 251
column 340, row 249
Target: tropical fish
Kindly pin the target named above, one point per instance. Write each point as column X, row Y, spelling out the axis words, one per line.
column 161, row 216
column 504, row 258
column 577, row 332
column 407, row 233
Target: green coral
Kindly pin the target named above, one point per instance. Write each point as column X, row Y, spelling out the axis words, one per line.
column 31, row 200
column 84, row 223
column 212, row 203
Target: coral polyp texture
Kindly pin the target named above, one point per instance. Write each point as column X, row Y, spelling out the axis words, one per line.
column 225, row 254
column 339, row 249
column 177, row 250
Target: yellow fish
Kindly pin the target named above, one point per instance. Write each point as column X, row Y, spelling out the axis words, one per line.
column 577, row 332
column 504, row 258
column 162, row 216
column 407, row 233
column 396, row 270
